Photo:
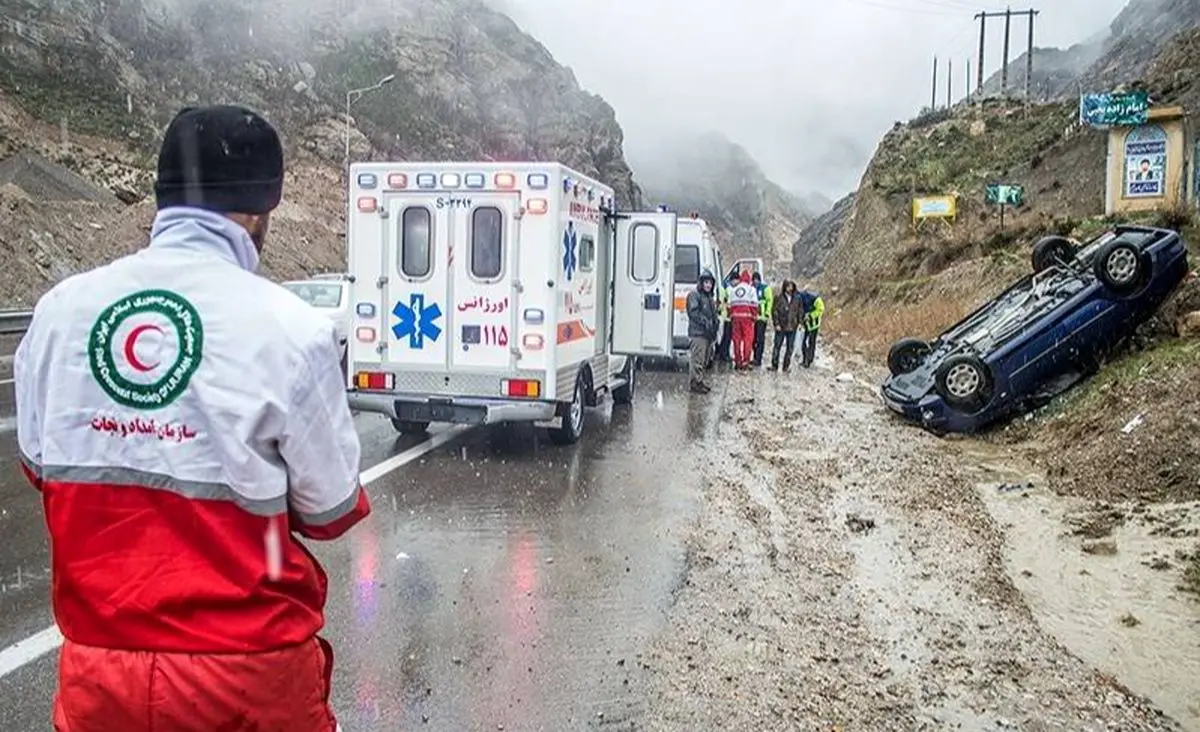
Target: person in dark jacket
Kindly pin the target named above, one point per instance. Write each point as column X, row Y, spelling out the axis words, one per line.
column 702, row 330
column 787, row 312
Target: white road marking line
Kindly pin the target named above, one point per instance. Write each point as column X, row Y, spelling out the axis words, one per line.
column 39, row 644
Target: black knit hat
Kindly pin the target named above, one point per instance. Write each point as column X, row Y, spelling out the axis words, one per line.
column 223, row 158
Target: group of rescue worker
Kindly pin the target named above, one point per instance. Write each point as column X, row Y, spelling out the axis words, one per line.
column 728, row 323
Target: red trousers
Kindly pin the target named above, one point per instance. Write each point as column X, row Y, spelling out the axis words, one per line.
column 104, row 690
column 743, row 340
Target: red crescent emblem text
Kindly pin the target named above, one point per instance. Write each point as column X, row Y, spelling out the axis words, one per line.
column 131, row 343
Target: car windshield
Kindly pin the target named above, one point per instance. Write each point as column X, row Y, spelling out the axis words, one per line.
column 319, row 295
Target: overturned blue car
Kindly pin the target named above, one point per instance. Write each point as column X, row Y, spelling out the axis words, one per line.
column 1040, row 336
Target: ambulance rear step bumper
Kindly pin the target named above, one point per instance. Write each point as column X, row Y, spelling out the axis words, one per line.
column 453, row 410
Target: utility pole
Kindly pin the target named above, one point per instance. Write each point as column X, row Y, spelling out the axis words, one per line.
column 1004, row 63
column 933, row 94
column 1007, row 15
column 968, row 87
column 982, row 21
column 1029, row 60
column 949, row 82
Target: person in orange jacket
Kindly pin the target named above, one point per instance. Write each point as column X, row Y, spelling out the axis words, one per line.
column 743, row 313
column 185, row 421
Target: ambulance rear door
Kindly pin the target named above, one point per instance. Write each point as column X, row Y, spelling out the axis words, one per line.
column 643, row 283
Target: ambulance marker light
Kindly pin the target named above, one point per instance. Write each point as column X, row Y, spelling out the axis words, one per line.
column 533, row 341
column 475, row 180
column 365, row 334
column 681, row 304
column 375, row 380
column 367, row 204
column 537, row 206
column 506, row 180
column 534, row 316
column 591, row 195
column 365, row 309
column 566, row 185
column 426, row 180
column 525, row 388
column 367, row 180
column 397, row 181
column 450, row 180
column 538, row 181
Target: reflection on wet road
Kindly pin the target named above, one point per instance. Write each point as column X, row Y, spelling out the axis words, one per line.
column 501, row 582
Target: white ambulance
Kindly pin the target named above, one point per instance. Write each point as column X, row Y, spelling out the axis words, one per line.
column 500, row 292
column 696, row 251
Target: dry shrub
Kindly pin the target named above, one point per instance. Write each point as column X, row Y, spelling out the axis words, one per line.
column 874, row 327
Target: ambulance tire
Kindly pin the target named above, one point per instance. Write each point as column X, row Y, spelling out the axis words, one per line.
column 624, row 394
column 572, row 417
column 406, row 427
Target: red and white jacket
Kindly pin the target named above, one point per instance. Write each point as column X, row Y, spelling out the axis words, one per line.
column 185, row 419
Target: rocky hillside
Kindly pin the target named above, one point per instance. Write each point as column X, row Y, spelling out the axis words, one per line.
column 817, row 240
column 751, row 215
column 89, row 85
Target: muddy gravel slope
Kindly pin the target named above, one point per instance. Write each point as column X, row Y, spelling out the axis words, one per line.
column 844, row 575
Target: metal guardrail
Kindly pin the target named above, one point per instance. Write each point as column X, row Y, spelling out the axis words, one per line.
column 15, row 322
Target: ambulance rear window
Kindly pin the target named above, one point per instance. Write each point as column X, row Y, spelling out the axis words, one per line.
column 487, row 243
column 643, row 252
column 416, row 256
column 587, row 253
column 687, row 264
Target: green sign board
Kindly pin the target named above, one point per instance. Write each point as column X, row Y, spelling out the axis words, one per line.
column 1004, row 194
column 1114, row 109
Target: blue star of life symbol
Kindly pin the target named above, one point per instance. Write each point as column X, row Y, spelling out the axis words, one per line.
column 569, row 242
column 417, row 321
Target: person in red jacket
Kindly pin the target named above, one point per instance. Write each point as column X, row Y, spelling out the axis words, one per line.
column 186, row 421
column 743, row 312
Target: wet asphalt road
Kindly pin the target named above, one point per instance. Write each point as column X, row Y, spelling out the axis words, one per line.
column 501, row 582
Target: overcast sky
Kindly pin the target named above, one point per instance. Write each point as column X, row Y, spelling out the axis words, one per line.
column 807, row 86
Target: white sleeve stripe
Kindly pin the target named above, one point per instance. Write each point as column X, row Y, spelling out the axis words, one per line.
column 324, row 518
column 116, row 477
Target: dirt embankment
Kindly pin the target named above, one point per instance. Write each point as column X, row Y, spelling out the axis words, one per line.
column 846, row 575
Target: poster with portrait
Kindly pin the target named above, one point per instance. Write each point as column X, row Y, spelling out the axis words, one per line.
column 1145, row 161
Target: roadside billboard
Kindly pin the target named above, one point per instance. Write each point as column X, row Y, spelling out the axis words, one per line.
column 1114, row 109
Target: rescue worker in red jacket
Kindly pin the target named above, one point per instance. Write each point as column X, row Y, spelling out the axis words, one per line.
column 185, row 420
column 743, row 312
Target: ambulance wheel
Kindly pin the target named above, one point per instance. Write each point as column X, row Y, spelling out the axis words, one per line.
column 624, row 394
column 572, row 418
column 407, row 427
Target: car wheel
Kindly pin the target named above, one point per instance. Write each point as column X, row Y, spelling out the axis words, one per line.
column 624, row 394
column 906, row 355
column 409, row 427
column 1050, row 251
column 963, row 381
column 1120, row 266
column 572, row 418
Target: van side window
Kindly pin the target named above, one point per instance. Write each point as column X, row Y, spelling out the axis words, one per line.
column 487, row 243
column 587, row 254
column 643, row 254
column 687, row 264
column 416, row 238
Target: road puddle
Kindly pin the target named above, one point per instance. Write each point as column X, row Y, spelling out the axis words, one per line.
column 1103, row 581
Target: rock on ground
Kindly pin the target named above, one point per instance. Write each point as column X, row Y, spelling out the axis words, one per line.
column 843, row 575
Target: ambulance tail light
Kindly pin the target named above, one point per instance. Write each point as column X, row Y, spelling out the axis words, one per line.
column 475, row 180
column 533, row 341
column 537, row 206
column 365, row 333
column 538, row 181
column 681, row 304
column 506, row 181
column 522, row 388
column 426, row 180
column 367, row 180
column 375, row 380
column 450, row 180
column 367, row 204
column 397, row 181
column 534, row 316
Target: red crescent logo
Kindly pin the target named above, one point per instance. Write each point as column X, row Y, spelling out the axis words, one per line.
column 131, row 342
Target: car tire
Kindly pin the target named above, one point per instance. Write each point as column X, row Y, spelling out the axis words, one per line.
column 624, row 394
column 963, row 381
column 409, row 427
column 572, row 418
column 1121, row 266
column 1050, row 251
column 906, row 354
